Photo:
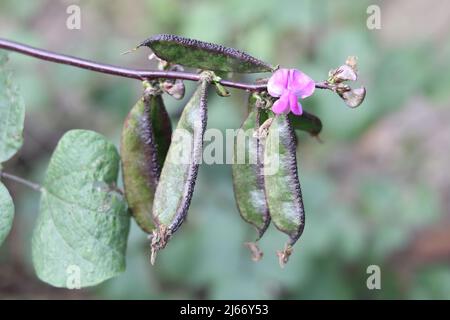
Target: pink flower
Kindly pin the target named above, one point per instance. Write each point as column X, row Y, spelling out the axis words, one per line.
column 289, row 85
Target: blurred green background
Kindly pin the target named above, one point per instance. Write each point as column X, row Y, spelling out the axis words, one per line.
column 376, row 192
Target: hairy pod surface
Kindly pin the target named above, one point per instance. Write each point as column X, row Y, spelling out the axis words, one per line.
column 176, row 185
column 203, row 55
column 247, row 171
column 284, row 196
column 145, row 140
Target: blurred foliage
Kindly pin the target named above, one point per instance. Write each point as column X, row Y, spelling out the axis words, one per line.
column 374, row 190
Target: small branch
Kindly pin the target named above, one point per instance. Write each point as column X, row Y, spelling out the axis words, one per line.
column 32, row 185
column 122, row 72
column 323, row 85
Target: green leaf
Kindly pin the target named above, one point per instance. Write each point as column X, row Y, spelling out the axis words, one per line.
column 284, row 195
column 203, row 55
column 83, row 223
column 6, row 213
column 176, row 185
column 12, row 114
column 146, row 137
column 306, row 122
column 247, row 170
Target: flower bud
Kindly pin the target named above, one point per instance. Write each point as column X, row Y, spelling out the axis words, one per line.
column 346, row 72
column 174, row 88
column 343, row 73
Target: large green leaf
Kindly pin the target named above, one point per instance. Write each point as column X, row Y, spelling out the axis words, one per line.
column 6, row 213
column 83, row 222
column 203, row 55
column 12, row 114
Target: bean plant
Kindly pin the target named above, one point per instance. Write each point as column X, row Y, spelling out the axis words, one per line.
column 84, row 215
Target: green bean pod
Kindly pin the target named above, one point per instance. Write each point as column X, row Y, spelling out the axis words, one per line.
column 306, row 122
column 203, row 55
column 284, row 196
column 247, row 171
column 145, row 140
column 176, row 185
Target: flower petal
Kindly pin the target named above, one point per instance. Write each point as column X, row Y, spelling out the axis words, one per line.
column 300, row 84
column 278, row 83
column 281, row 105
column 294, row 105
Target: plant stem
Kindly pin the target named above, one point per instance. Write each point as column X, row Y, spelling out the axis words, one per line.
column 123, row 72
column 32, row 185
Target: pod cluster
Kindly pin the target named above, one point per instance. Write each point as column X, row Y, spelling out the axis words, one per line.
column 266, row 184
column 160, row 166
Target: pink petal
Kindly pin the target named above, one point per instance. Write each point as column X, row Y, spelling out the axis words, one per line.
column 295, row 106
column 278, row 83
column 281, row 105
column 300, row 84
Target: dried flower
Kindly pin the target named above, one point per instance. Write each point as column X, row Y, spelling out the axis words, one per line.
column 354, row 97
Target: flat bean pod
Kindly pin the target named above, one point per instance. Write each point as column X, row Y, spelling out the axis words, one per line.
column 306, row 122
column 203, row 55
column 176, row 185
column 284, row 196
column 145, row 140
column 247, row 170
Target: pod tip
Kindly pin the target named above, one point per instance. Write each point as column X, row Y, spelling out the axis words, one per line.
column 129, row 51
column 159, row 240
column 255, row 251
column 283, row 256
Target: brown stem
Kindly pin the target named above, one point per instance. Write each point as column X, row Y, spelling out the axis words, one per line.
column 123, row 72
column 32, row 185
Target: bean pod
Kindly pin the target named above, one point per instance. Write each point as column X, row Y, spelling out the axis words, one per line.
column 145, row 141
column 203, row 55
column 247, row 171
column 176, row 185
column 306, row 122
column 284, row 196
